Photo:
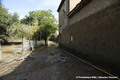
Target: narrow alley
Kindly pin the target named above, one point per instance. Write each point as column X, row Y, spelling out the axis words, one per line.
column 50, row 63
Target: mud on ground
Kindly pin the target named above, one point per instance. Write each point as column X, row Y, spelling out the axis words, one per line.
column 47, row 63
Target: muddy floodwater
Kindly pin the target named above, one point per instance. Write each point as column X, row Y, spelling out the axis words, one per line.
column 12, row 49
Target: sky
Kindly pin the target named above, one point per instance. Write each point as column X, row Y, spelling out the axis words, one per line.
column 22, row 7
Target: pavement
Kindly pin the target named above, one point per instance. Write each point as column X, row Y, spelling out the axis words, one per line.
column 50, row 63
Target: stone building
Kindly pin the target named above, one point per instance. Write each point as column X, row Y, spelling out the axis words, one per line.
column 91, row 28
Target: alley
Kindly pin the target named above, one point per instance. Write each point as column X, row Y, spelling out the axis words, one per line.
column 50, row 63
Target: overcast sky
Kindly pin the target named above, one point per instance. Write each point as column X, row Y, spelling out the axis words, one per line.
column 22, row 7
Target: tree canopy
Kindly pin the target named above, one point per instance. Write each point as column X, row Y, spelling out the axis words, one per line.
column 3, row 22
column 6, row 20
column 44, row 20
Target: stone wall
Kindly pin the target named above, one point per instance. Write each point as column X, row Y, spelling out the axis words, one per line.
column 97, row 37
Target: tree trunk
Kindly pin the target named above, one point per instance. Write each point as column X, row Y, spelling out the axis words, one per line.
column 30, row 46
column 46, row 41
column 0, row 53
column 35, row 43
column 23, row 45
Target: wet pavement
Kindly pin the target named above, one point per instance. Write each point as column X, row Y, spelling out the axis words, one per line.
column 49, row 63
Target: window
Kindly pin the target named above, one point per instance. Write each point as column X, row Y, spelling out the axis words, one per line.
column 64, row 7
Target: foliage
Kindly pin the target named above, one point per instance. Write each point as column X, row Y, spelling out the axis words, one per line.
column 17, row 30
column 13, row 18
column 47, row 30
column 6, row 20
column 3, row 22
column 30, row 30
column 41, row 21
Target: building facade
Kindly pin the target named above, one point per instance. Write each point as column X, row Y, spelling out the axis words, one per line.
column 92, row 29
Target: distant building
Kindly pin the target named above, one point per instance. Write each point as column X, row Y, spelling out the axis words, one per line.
column 92, row 29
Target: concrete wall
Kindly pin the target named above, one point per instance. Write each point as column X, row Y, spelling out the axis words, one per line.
column 93, row 7
column 96, row 33
column 63, row 19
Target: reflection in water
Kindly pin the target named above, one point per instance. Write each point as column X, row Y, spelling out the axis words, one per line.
column 27, row 45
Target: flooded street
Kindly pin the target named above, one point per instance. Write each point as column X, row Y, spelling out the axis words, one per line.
column 47, row 63
column 9, row 50
column 14, row 48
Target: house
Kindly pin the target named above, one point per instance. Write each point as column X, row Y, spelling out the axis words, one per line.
column 92, row 29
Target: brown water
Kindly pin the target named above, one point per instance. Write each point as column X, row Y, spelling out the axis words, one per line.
column 9, row 50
